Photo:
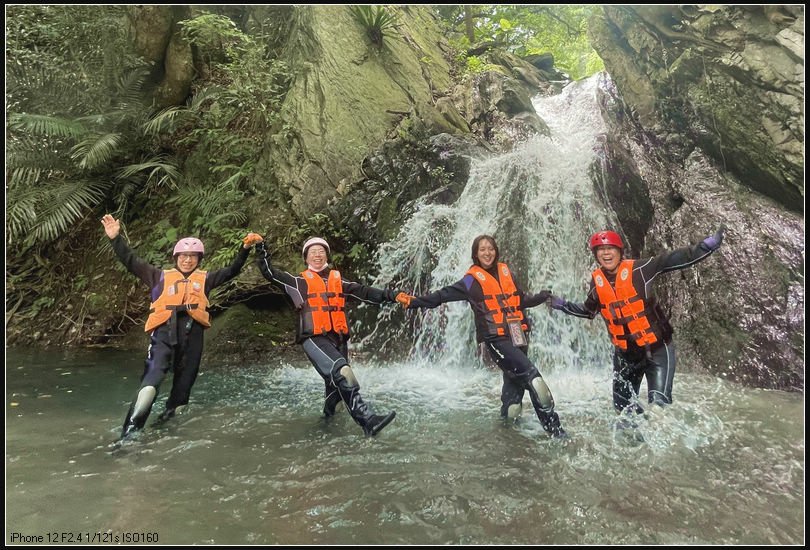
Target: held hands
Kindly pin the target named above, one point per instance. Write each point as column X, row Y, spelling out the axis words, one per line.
column 714, row 242
column 111, row 226
column 556, row 303
column 251, row 239
column 404, row 299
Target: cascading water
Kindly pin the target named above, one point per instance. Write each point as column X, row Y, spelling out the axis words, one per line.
column 540, row 204
column 251, row 461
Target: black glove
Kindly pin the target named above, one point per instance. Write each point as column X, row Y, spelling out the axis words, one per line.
column 557, row 302
column 714, row 242
column 261, row 250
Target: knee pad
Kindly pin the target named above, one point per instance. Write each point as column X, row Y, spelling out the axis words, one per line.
column 143, row 403
column 346, row 372
column 540, row 389
column 513, row 411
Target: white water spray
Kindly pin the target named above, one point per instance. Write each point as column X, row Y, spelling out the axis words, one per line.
column 540, row 204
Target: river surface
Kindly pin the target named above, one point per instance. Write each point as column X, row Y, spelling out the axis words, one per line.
column 252, row 462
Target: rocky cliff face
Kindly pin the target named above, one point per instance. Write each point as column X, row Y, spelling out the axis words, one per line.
column 727, row 79
column 706, row 128
column 347, row 96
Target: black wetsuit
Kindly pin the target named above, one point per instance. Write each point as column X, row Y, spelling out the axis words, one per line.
column 328, row 352
column 518, row 370
column 181, row 351
column 658, row 362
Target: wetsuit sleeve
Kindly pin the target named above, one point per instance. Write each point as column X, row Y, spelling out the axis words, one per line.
column 288, row 282
column 453, row 293
column 271, row 273
column 221, row 276
column 368, row 293
column 672, row 261
column 531, row 300
column 587, row 310
column 149, row 274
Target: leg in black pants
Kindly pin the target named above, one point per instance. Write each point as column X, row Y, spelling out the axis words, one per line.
column 521, row 373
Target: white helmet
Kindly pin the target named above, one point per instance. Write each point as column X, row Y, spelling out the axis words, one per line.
column 310, row 242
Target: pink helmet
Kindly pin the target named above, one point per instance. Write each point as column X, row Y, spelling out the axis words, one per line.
column 189, row 244
column 605, row 237
column 314, row 240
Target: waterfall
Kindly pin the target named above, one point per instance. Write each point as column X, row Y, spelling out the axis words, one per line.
column 540, row 203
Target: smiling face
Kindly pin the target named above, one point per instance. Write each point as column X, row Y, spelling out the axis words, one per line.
column 316, row 257
column 486, row 253
column 609, row 257
column 187, row 261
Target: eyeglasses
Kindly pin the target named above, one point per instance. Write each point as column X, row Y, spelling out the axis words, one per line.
column 192, row 256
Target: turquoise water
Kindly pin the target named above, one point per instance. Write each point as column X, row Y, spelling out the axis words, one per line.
column 251, row 461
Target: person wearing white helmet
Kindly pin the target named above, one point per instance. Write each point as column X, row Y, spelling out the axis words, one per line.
column 319, row 294
column 177, row 318
column 620, row 290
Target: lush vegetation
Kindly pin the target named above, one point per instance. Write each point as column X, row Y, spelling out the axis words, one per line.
column 560, row 30
column 84, row 136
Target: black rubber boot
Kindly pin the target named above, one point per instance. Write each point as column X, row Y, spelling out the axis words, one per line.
column 166, row 415
column 376, row 423
column 551, row 423
column 132, row 424
column 331, row 401
column 372, row 424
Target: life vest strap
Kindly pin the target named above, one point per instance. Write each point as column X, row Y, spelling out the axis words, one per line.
column 181, row 307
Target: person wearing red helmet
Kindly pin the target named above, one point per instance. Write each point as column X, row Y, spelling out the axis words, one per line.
column 501, row 327
column 319, row 294
column 620, row 290
column 177, row 318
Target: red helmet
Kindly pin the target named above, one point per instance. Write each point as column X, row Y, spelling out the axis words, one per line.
column 605, row 237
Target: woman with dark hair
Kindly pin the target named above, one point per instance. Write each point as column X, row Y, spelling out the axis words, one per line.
column 501, row 326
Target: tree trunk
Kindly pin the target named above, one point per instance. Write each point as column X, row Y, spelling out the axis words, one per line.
column 468, row 24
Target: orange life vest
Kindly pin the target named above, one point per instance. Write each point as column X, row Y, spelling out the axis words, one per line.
column 501, row 300
column 325, row 303
column 623, row 307
column 180, row 294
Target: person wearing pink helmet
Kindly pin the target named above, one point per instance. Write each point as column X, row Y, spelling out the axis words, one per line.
column 620, row 290
column 319, row 294
column 177, row 318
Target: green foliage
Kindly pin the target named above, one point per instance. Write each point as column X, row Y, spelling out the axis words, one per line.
column 377, row 21
column 531, row 29
column 75, row 122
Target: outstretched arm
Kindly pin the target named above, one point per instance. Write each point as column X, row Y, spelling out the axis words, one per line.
column 682, row 257
column 454, row 293
column 587, row 310
column 149, row 274
column 271, row 273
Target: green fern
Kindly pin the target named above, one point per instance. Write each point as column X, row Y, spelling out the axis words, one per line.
column 95, row 150
column 376, row 20
column 41, row 215
column 160, row 173
column 46, row 125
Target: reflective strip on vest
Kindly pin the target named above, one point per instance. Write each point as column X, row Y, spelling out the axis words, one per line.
column 501, row 300
column 180, row 294
column 623, row 307
column 325, row 303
